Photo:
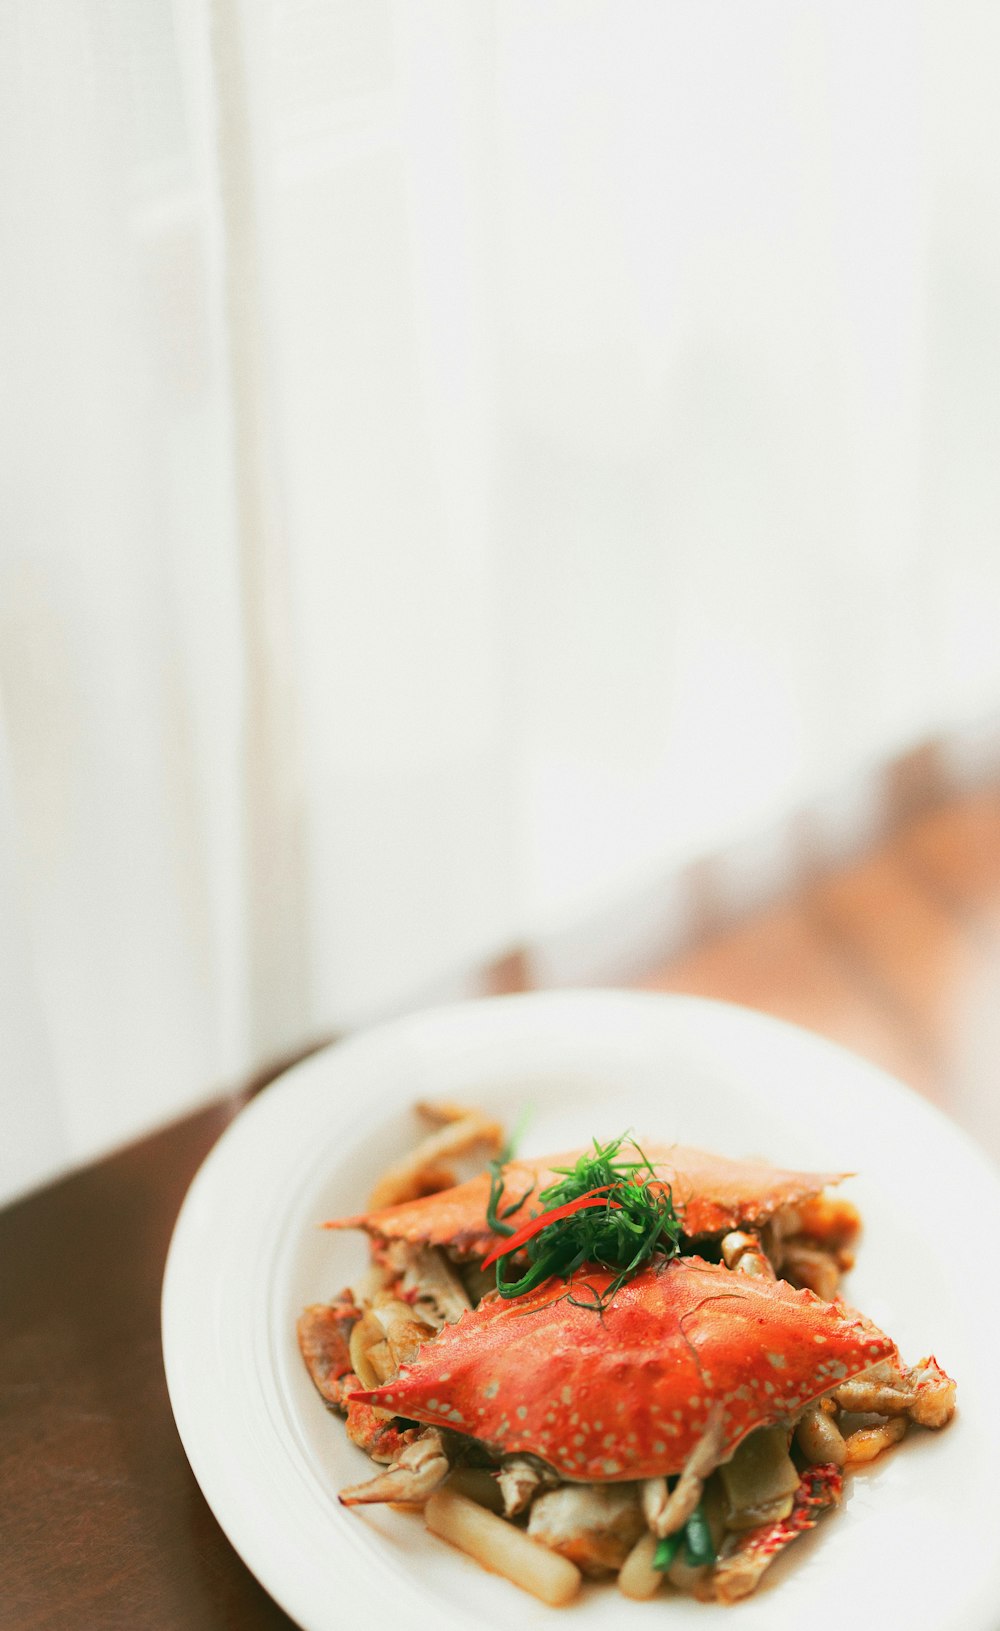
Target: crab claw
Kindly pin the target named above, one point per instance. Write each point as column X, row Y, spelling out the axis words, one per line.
column 745, row 1557
column 711, row 1194
column 628, row 1393
column 324, row 1332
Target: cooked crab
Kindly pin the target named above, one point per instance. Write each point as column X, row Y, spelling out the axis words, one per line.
column 609, row 1421
column 685, row 1352
column 760, row 1217
column 678, row 1419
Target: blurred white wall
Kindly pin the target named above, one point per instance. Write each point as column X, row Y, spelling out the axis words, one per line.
column 460, row 463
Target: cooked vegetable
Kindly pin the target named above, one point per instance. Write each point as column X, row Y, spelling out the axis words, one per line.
column 667, row 1549
column 698, row 1548
column 502, row 1548
column 478, row 1485
column 818, row 1436
column 639, row 1578
column 760, row 1480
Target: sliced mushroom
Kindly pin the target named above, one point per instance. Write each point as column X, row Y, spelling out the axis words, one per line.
column 760, row 1480
column 818, row 1436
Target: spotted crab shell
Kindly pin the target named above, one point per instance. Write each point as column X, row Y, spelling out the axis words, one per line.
column 711, row 1194
column 627, row 1393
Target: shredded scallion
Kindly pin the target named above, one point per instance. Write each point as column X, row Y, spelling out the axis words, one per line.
column 605, row 1211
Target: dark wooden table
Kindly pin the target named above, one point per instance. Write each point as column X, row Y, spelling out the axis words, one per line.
column 101, row 1522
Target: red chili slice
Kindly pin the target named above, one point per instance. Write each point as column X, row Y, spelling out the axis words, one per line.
column 534, row 1226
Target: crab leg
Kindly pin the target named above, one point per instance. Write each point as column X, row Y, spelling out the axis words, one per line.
column 745, row 1558
column 386, row 1337
column 521, row 1478
column 411, row 1478
column 744, row 1252
column 934, row 1404
column 924, row 1393
column 667, row 1513
column 324, row 1333
column 377, row 1432
column 426, row 1275
column 881, row 1395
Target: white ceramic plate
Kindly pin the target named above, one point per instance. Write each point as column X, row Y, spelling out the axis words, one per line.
column 915, row 1543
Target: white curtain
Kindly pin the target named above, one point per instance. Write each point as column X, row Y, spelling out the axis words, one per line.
column 458, row 462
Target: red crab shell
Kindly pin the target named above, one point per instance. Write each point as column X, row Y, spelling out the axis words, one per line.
column 627, row 1394
column 710, row 1192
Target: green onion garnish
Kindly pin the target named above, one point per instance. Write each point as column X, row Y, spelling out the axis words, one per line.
column 603, row 1211
column 666, row 1549
column 698, row 1548
column 697, row 1538
column 497, row 1220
